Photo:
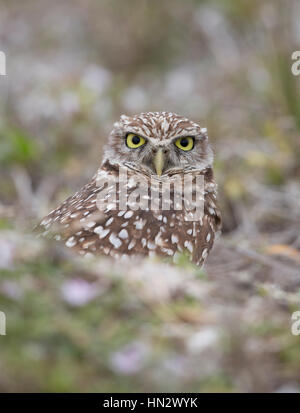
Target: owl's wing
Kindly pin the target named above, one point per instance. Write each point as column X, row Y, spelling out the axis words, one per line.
column 211, row 225
column 90, row 223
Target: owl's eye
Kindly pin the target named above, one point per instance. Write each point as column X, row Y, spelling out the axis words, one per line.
column 134, row 141
column 186, row 143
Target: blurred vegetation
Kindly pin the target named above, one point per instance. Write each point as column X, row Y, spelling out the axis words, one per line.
column 72, row 69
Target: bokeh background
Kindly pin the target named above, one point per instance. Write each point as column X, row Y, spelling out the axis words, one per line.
column 76, row 325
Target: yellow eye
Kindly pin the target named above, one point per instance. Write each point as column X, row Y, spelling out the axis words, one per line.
column 186, row 143
column 134, row 141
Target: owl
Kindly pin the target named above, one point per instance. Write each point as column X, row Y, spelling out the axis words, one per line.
column 143, row 198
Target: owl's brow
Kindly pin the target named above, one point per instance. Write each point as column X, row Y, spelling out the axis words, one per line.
column 173, row 138
column 135, row 132
column 164, row 141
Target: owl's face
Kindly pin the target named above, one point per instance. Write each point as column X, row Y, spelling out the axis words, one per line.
column 159, row 143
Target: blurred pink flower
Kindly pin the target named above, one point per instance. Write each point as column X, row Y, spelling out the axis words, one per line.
column 11, row 289
column 7, row 253
column 130, row 359
column 78, row 292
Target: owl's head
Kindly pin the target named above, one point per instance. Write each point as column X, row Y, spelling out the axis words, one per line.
column 159, row 143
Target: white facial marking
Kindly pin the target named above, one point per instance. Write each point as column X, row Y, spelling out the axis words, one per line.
column 188, row 245
column 114, row 240
column 139, row 224
column 90, row 224
column 174, row 239
column 123, row 234
column 109, row 221
column 101, row 231
column 71, row 242
column 131, row 244
column 151, row 245
column 205, row 253
column 128, row 214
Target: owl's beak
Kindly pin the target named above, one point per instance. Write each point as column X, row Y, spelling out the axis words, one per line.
column 159, row 162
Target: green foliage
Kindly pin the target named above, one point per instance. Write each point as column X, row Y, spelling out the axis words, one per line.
column 17, row 147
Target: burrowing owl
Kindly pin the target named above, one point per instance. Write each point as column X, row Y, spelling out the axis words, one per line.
column 118, row 216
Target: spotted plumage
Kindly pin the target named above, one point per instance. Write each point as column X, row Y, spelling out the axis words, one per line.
column 106, row 216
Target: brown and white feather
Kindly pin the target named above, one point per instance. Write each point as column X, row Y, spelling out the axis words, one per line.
column 82, row 226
